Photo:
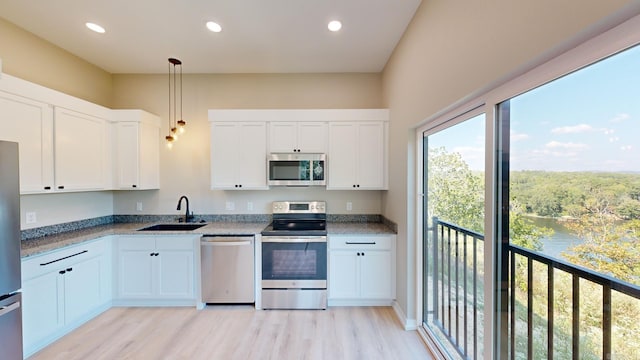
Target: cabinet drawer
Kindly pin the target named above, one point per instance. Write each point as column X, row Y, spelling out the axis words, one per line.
column 373, row 242
column 136, row 242
column 41, row 264
column 174, row 243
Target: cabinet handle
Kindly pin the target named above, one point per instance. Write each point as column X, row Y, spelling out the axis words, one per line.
column 69, row 269
column 61, row 187
column 61, row 272
column 47, row 187
column 66, row 257
column 135, row 186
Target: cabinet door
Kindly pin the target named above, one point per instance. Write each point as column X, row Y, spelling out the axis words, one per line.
column 30, row 124
column 41, row 308
column 135, row 273
column 283, row 136
column 252, row 147
column 370, row 150
column 343, row 275
column 375, row 275
column 79, row 143
column 128, row 159
column 82, row 289
column 312, row 137
column 224, row 155
column 175, row 274
column 342, row 158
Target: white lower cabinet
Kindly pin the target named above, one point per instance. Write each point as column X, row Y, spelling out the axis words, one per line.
column 63, row 289
column 155, row 270
column 361, row 270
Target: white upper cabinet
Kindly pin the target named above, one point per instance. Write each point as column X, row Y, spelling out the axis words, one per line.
column 30, row 124
column 64, row 142
column 292, row 136
column 355, row 141
column 137, row 149
column 357, row 158
column 239, row 155
column 80, row 151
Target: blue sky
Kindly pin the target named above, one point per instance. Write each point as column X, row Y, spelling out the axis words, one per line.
column 586, row 121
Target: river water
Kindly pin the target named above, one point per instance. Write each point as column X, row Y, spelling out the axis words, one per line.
column 561, row 239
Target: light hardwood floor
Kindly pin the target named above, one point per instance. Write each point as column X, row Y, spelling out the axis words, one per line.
column 224, row 332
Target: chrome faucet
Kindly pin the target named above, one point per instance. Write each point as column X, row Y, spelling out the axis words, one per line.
column 187, row 215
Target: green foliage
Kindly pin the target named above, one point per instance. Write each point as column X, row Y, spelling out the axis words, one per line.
column 455, row 193
column 609, row 247
column 556, row 194
column 522, row 231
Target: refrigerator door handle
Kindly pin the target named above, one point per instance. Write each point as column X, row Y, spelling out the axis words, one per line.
column 9, row 308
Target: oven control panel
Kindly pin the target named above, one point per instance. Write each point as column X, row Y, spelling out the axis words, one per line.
column 299, row 207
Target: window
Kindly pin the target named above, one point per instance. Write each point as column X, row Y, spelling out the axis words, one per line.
column 572, row 166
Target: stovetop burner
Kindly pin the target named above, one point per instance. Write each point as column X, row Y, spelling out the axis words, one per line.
column 298, row 218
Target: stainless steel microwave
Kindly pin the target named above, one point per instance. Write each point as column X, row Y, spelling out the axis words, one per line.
column 296, row 169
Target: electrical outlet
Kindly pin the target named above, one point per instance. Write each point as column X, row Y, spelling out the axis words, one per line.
column 250, row 206
column 349, row 206
column 229, row 206
column 31, row 217
column 138, row 206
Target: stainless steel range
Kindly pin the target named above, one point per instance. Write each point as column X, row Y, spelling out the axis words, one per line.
column 294, row 256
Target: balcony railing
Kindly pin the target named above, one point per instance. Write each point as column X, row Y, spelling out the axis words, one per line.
column 457, row 291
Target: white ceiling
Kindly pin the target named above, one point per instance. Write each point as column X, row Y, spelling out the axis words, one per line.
column 258, row 36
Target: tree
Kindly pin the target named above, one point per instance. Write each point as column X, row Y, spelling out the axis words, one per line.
column 455, row 193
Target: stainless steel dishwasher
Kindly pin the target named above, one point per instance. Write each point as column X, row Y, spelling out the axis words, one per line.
column 227, row 265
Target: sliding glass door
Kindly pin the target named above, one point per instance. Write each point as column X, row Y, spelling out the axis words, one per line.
column 453, row 300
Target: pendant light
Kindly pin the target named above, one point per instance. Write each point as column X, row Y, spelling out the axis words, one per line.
column 175, row 126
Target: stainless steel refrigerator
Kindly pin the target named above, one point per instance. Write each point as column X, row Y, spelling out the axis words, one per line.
column 10, row 281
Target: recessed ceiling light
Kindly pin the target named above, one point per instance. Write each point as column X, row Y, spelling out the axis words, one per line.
column 95, row 27
column 214, row 26
column 334, row 25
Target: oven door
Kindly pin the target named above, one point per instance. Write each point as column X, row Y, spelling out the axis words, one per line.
column 294, row 262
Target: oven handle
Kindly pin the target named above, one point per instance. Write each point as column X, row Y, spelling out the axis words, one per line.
column 294, row 239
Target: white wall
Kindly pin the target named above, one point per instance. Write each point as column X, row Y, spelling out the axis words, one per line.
column 54, row 209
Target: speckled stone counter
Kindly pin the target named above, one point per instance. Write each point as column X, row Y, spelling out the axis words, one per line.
column 48, row 243
column 357, row 228
column 53, row 242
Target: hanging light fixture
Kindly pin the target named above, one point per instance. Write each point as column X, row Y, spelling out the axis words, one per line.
column 175, row 126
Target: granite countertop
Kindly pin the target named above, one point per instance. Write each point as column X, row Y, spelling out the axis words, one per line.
column 52, row 242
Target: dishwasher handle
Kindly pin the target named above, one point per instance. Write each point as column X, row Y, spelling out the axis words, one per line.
column 224, row 243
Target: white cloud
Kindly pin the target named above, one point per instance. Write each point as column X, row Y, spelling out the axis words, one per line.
column 626, row 148
column 572, row 129
column 516, row 136
column 567, row 146
column 620, row 118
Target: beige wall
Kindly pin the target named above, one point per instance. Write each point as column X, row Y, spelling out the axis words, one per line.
column 185, row 168
column 451, row 50
column 31, row 58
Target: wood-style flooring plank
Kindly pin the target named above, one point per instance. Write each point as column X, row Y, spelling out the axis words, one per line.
column 239, row 332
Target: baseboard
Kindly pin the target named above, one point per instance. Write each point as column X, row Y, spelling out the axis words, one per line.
column 408, row 324
column 358, row 302
column 153, row 303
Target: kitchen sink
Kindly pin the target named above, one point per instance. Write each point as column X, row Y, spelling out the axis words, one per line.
column 172, row 227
